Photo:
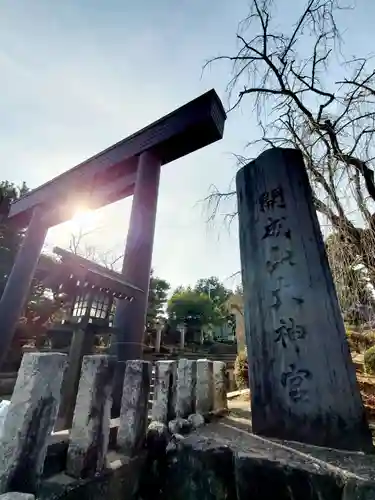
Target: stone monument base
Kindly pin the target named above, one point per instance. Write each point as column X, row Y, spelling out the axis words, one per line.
column 224, row 462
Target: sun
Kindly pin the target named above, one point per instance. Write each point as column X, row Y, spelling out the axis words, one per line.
column 84, row 226
column 83, row 219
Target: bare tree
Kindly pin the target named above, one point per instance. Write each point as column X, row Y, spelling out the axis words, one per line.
column 288, row 78
column 79, row 245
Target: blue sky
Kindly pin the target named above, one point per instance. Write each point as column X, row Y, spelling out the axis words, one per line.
column 79, row 75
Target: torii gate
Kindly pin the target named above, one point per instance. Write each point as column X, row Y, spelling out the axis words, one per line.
column 130, row 167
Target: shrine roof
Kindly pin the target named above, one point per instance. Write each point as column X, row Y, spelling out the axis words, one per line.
column 84, row 271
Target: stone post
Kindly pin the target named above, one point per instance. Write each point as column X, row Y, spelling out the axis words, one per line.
column 204, row 398
column 163, row 405
column 185, row 387
column 89, row 436
column 182, row 337
column 303, row 383
column 30, row 420
column 220, row 391
column 127, row 342
column 81, row 345
column 18, row 284
column 134, row 407
column 159, row 330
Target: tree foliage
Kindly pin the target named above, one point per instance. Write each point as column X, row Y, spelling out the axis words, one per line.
column 10, row 237
column 157, row 299
column 190, row 307
column 204, row 304
column 307, row 94
column 355, row 295
column 214, row 289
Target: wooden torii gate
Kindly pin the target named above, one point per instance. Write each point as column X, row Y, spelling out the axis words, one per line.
column 130, row 167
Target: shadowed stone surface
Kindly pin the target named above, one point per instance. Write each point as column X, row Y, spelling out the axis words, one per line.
column 200, row 469
column 120, row 481
column 157, row 438
column 220, row 391
column 30, row 420
column 304, row 470
column 196, row 420
column 179, row 426
column 185, row 387
column 164, row 401
column 134, row 406
column 17, row 496
column 175, row 442
column 204, row 389
column 357, row 489
column 90, row 431
column 261, row 478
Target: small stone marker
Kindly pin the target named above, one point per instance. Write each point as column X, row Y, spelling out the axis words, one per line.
column 134, row 406
column 163, row 405
column 220, row 391
column 30, row 420
column 204, row 398
column 89, row 436
column 303, row 383
column 185, row 387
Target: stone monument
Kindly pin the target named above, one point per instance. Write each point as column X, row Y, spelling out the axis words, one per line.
column 302, row 380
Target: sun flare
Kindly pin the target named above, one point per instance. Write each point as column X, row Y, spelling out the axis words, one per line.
column 83, row 220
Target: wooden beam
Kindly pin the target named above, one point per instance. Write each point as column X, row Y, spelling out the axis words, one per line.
column 192, row 126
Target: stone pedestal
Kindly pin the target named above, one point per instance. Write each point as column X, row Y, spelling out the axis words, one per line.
column 185, row 387
column 303, row 384
column 89, row 436
column 30, row 420
column 220, row 390
column 134, row 407
column 204, row 398
column 163, row 405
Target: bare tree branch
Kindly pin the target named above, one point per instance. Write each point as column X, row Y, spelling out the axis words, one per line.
column 286, row 76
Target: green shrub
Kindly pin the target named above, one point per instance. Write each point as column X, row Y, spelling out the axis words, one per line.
column 369, row 360
column 360, row 341
column 241, row 370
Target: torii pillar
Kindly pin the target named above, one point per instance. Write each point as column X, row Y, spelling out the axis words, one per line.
column 130, row 318
column 18, row 284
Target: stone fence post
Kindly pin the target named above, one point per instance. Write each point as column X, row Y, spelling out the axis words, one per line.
column 204, row 397
column 30, row 420
column 134, row 406
column 185, row 387
column 89, row 436
column 163, row 405
column 220, row 391
column 303, row 383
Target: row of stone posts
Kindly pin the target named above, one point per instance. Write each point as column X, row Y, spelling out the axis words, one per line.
column 182, row 389
column 186, row 387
